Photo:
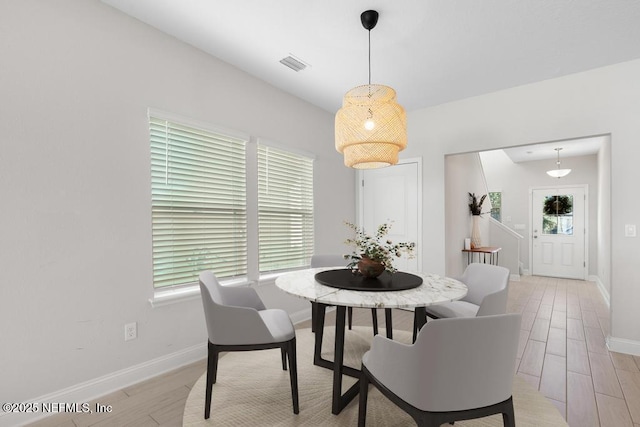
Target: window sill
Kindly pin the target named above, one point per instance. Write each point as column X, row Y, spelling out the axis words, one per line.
column 270, row 278
column 162, row 297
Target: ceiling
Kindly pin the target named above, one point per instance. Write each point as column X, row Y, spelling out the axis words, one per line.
column 430, row 51
column 570, row 148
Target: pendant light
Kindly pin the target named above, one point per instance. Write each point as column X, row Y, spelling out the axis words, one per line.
column 371, row 127
column 557, row 172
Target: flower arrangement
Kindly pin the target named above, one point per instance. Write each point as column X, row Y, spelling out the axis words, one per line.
column 374, row 248
column 474, row 206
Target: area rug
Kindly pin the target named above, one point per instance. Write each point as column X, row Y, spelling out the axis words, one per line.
column 252, row 389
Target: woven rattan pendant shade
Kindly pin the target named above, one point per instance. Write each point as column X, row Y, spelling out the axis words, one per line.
column 371, row 127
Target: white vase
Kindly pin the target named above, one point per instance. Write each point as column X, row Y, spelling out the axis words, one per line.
column 476, row 240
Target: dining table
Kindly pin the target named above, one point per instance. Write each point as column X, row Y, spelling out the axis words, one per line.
column 326, row 286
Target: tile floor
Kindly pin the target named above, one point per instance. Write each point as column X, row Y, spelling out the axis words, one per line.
column 563, row 353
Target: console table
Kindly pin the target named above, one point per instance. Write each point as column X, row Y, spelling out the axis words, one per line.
column 483, row 252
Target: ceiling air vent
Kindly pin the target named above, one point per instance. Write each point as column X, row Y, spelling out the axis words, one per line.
column 293, row 63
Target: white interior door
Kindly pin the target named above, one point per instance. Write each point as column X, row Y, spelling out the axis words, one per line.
column 392, row 194
column 558, row 232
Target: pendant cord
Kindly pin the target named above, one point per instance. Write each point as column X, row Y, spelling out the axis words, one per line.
column 369, row 57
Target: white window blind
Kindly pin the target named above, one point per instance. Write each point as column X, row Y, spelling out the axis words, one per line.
column 198, row 191
column 285, row 209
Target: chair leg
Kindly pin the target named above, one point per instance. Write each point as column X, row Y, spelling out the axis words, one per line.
column 350, row 316
column 212, row 370
column 374, row 320
column 362, row 406
column 214, row 365
column 508, row 416
column 283, row 352
column 293, row 374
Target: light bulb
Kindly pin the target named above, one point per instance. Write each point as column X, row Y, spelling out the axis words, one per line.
column 369, row 124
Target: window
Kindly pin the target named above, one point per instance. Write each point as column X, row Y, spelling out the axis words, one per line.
column 285, row 209
column 495, row 197
column 198, row 192
column 557, row 215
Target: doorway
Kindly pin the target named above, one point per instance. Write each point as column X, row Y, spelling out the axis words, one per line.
column 559, row 235
column 394, row 194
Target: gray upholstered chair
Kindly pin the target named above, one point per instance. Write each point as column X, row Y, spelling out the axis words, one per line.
column 332, row 260
column 237, row 320
column 488, row 290
column 457, row 369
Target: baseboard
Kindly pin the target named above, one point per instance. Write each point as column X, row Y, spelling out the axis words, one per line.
column 622, row 345
column 93, row 389
column 514, row 278
column 601, row 288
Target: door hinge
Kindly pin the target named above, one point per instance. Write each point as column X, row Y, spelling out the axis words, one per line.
column 363, row 182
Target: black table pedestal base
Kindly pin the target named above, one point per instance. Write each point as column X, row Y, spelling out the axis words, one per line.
column 339, row 400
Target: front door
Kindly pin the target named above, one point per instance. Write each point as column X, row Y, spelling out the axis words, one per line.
column 558, row 232
column 391, row 194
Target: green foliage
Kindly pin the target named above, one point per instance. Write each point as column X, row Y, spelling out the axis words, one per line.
column 374, row 248
column 558, row 205
column 495, row 198
column 475, row 206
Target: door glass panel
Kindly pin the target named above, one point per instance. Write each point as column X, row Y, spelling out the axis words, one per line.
column 557, row 215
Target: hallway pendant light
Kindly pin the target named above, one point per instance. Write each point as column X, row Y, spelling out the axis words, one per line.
column 557, row 172
column 371, row 127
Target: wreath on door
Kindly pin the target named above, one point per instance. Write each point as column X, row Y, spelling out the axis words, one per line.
column 558, row 205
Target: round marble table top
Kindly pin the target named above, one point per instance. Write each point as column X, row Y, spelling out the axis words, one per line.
column 434, row 290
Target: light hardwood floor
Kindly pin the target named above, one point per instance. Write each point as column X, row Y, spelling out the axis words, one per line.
column 562, row 353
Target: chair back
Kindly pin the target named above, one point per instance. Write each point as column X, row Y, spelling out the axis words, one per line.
column 486, row 280
column 210, row 285
column 464, row 363
column 228, row 322
column 494, row 303
column 328, row 260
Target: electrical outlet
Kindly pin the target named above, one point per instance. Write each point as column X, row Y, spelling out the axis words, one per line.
column 130, row 331
column 630, row 230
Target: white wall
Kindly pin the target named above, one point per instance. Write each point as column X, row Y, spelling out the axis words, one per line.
column 75, row 220
column 463, row 175
column 597, row 102
column 510, row 242
column 603, row 251
column 516, row 179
